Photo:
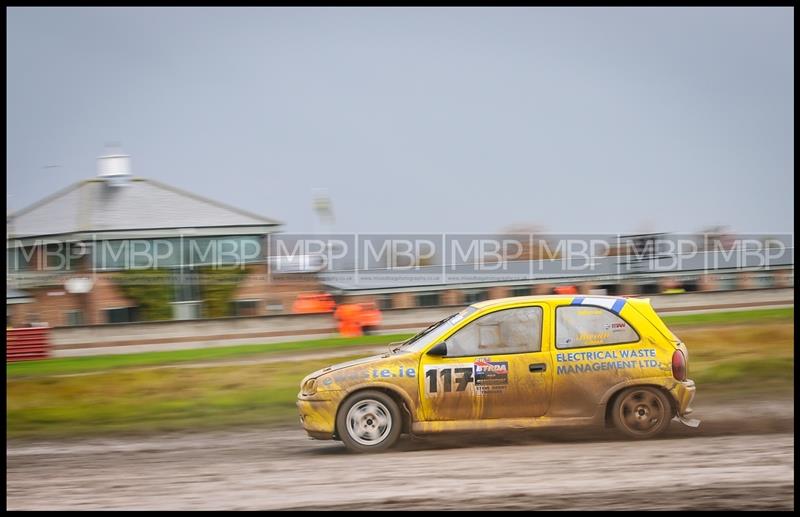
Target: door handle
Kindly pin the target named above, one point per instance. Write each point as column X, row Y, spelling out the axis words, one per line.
column 538, row 367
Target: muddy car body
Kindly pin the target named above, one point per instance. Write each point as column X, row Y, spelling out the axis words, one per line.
column 513, row 363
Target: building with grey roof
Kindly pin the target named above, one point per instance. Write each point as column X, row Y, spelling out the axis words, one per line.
column 139, row 207
column 67, row 252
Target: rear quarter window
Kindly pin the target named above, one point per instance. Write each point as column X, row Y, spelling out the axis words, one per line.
column 585, row 325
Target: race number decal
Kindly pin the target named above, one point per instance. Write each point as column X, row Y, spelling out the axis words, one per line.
column 441, row 380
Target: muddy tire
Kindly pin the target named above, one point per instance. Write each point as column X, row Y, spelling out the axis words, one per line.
column 369, row 421
column 641, row 412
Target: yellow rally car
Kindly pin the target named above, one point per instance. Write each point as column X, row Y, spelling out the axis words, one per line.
column 513, row 363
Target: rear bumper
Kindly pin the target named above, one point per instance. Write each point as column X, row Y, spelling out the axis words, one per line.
column 683, row 393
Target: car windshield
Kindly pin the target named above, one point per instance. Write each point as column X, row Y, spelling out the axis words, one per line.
column 430, row 334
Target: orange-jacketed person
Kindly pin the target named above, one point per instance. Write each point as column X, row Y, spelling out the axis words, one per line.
column 565, row 289
column 370, row 317
column 349, row 317
column 313, row 303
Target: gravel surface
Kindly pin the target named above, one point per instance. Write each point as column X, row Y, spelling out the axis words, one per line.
column 725, row 464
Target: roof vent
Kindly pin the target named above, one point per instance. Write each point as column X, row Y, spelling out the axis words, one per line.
column 114, row 167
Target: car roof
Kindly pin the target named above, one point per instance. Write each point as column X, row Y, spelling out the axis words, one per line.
column 543, row 298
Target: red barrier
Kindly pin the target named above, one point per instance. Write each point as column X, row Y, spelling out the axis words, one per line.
column 27, row 343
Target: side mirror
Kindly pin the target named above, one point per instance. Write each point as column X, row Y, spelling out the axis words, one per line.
column 440, row 349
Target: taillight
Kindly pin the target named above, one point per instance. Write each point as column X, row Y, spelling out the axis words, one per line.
column 679, row 365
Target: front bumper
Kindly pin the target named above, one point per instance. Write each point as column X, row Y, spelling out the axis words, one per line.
column 683, row 393
column 318, row 416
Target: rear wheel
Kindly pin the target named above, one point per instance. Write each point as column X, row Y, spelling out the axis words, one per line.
column 641, row 412
column 369, row 421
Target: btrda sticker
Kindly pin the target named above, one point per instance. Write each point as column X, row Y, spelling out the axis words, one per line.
column 490, row 376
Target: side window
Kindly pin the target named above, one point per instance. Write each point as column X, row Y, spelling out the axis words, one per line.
column 508, row 331
column 584, row 325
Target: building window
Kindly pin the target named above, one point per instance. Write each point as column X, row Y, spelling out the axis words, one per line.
column 121, row 315
column 34, row 320
column 187, row 286
column 763, row 281
column 611, row 289
column 649, row 288
column 385, row 302
column 244, row 307
column 110, row 255
column 73, row 317
column 428, row 300
column 230, row 250
column 274, row 306
column 521, row 291
column 64, row 256
column 689, row 284
column 187, row 310
column 475, row 296
column 726, row 282
column 160, row 253
column 21, row 259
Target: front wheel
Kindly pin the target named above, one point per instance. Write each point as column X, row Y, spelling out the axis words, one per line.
column 641, row 412
column 369, row 421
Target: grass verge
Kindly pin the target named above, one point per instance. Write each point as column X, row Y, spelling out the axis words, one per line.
column 69, row 365
column 742, row 360
column 730, row 317
column 156, row 400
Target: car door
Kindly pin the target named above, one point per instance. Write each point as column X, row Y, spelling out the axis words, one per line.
column 495, row 366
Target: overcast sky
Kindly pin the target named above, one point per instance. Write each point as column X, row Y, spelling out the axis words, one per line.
column 419, row 120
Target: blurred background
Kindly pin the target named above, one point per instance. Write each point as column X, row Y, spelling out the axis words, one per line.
column 206, row 204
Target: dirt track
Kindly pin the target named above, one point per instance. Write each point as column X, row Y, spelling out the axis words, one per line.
column 708, row 468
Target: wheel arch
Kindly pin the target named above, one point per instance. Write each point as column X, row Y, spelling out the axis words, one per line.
column 612, row 394
column 401, row 398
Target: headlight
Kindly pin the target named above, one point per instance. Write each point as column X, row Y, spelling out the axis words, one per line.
column 309, row 387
